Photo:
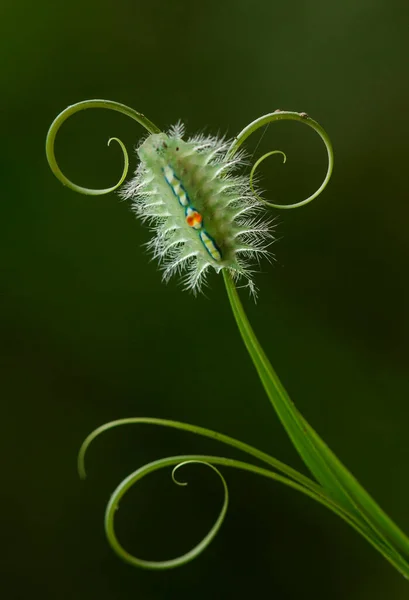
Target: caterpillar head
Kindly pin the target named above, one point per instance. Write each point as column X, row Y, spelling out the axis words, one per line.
column 153, row 147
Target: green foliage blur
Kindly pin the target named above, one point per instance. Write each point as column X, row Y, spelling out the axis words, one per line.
column 89, row 333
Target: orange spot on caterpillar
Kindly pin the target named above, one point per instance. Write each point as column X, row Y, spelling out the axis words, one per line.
column 194, row 219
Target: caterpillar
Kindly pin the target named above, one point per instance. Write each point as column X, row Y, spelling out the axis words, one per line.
column 203, row 215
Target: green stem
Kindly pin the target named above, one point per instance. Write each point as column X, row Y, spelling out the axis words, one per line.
column 337, row 481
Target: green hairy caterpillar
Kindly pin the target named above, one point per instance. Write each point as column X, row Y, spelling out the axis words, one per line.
column 205, row 215
column 202, row 214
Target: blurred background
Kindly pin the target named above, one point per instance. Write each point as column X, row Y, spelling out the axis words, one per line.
column 89, row 333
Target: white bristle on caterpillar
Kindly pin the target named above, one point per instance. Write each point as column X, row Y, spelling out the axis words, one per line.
column 202, row 214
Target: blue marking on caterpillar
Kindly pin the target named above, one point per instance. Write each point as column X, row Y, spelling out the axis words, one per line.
column 193, row 217
column 176, row 186
column 210, row 245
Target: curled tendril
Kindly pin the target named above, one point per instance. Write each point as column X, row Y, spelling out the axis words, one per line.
column 253, row 170
column 71, row 110
column 291, row 478
column 127, row 483
column 181, row 483
column 152, row 128
column 281, row 116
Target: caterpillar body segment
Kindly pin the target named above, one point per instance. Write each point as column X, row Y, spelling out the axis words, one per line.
column 210, row 246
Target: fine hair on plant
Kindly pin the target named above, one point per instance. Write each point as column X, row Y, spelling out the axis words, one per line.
column 206, row 215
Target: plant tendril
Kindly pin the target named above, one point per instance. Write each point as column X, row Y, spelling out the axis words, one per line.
column 71, row 110
column 127, row 483
column 253, row 170
column 152, row 128
column 181, row 483
column 280, row 116
column 292, row 478
column 220, row 437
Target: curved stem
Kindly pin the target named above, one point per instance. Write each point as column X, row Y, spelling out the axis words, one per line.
column 335, row 479
column 86, row 104
column 288, row 116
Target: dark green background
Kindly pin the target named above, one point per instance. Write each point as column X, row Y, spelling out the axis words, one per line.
column 90, row 334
